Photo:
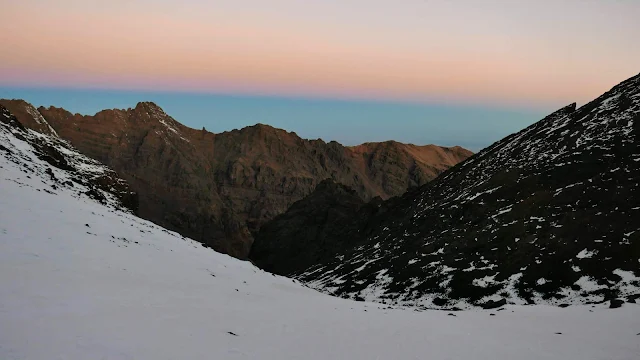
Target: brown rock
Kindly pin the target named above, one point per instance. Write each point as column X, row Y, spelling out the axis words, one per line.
column 28, row 116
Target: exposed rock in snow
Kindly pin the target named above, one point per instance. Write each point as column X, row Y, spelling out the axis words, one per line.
column 59, row 166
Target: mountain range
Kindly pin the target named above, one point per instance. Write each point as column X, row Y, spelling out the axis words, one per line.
column 220, row 189
column 82, row 277
column 550, row 215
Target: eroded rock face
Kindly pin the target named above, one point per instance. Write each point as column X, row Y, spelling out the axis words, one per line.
column 28, row 116
column 547, row 215
column 221, row 188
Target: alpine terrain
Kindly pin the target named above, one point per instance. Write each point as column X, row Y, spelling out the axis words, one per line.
column 220, row 189
column 549, row 215
column 81, row 277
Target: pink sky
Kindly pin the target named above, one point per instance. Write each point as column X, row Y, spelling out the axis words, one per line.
column 533, row 52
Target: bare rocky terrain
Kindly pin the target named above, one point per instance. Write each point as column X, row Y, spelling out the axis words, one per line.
column 550, row 215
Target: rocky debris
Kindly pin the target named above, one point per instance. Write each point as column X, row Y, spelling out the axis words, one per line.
column 440, row 301
column 546, row 215
column 492, row 304
column 220, row 189
column 616, row 303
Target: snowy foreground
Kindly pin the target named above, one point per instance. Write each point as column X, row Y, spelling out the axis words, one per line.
column 79, row 280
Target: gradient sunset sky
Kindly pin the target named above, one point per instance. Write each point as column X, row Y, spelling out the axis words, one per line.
column 427, row 65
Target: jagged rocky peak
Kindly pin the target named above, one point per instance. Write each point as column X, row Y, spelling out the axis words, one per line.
column 546, row 215
column 61, row 165
column 29, row 116
column 148, row 105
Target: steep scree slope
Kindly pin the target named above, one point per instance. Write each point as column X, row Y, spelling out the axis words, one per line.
column 548, row 215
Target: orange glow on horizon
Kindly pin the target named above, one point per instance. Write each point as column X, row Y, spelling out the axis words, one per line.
column 250, row 55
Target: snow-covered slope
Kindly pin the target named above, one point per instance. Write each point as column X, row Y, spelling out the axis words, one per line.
column 84, row 280
column 59, row 165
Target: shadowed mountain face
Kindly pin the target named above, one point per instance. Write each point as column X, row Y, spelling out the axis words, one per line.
column 221, row 188
column 550, row 214
column 312, row 229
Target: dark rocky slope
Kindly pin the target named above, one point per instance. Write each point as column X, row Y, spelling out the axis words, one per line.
column 312, row 229
column 220, row 188
column 550, row 214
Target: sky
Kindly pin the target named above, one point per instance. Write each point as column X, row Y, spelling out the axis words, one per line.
column 419, row 65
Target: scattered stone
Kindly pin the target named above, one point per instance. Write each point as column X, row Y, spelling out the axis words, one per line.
column 632, row 298
column 439, row 301
column 558, row 333
column 491, row 304
column 451, row 314
column 232, row 333
column 616, row 303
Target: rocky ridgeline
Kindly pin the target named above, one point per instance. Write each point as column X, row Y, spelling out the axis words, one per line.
column 547, row 215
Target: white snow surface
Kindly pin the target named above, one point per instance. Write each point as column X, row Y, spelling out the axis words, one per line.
column 79, row 280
